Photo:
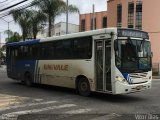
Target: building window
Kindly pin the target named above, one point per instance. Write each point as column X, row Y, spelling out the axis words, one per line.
column 104, row 22
column 92, row 23
column 139, row 15
column 130, row 15
column 83, row 24
column 119, row 15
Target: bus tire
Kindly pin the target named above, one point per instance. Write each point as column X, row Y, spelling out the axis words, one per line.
column 28, row 79
column 22, row 82
column 83, row 87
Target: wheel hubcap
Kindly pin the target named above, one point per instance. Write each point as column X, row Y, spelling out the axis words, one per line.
column 84, row 86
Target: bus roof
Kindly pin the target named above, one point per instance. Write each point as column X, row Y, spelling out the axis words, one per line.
column 73, row 35
column 68, row 36
column 28, row 42
column 79, row 34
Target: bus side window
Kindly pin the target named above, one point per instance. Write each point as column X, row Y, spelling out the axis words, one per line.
column 80, row 49
column 66, row 52
column 58, row 50
column 35, row 52
column 83, row 48
column 47, row 51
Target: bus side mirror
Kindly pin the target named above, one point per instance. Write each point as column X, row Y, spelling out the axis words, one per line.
column 115, row 45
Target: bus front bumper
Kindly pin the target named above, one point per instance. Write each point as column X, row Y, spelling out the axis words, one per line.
column 121, row 88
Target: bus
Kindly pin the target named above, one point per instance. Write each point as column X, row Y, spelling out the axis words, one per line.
column 110, row 60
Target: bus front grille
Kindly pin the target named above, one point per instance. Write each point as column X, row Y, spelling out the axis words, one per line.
column 138, row 75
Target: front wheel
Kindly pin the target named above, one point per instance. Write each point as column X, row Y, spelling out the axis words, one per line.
column 83, row 87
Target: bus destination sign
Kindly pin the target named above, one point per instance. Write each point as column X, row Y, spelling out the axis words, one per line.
column 132, row 33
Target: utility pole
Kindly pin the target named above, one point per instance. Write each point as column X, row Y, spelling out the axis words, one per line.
column 0, row 47
column 8, row 25
column 67, row 18
column 0, row 39
column 8, row 30
column 93, row 18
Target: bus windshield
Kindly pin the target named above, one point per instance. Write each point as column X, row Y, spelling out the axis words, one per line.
column 133, row 55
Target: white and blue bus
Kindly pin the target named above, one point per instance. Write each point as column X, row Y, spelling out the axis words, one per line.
column 111, row 60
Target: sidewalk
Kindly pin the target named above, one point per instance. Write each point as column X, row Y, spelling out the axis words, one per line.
column 2, row 67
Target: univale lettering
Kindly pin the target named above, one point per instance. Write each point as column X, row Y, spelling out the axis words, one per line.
column 55, row 67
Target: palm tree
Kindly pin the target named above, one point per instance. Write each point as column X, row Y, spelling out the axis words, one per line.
column 29, row 21
column 22, row 18
column 53, row 8
column 14, row 36
column 36, row 19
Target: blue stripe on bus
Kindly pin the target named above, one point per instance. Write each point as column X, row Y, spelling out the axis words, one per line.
column 127, row 77
column 28, row 42
column 26, row 66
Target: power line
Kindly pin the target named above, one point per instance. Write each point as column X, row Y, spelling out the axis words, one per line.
column 19, row 8
column 5, row 4
column 13, row 5
column 4, row 1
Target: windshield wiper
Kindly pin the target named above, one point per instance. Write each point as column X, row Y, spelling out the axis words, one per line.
column 131, row 44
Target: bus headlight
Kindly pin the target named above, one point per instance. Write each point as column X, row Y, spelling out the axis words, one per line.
column 120, row 79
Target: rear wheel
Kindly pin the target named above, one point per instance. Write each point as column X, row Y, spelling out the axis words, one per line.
column 28, row 79
column 83, row 87
column 22, row 82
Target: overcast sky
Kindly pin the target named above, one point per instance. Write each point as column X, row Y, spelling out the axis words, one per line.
column 85, row 6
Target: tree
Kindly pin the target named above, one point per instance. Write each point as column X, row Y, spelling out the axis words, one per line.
column 53, row 8
column 29, row 21
column 8, row 32
column 2, row 55
column 13, row 36
column 22, row 18
column 36, row 19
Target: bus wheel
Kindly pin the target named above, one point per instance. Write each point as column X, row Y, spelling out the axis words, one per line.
column 28, row 79
column 83, row 87
column 22, row 82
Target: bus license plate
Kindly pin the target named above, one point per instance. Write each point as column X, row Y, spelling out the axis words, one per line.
column 139, row 87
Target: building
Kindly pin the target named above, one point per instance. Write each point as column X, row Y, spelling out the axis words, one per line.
column 86, row 21
column 138, row 14
column 59, row 29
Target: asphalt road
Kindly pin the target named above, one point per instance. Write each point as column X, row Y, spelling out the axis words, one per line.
column 54, row 103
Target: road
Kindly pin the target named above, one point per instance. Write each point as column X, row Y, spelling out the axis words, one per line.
column 49, row 103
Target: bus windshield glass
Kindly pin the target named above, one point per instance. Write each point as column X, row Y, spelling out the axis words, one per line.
column 133, row 55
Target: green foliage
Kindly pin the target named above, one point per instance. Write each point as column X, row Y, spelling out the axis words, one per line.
column 36, row 19
column 2, row 55
column 13, row 36
column 22, row 18
column 30, row 21
column 53, row 8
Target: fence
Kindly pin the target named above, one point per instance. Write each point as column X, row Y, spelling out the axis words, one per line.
column 156, row 68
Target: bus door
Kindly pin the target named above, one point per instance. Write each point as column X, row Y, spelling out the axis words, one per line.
column 103, row 65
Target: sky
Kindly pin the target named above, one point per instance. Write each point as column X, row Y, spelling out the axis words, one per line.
column 85, row 6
